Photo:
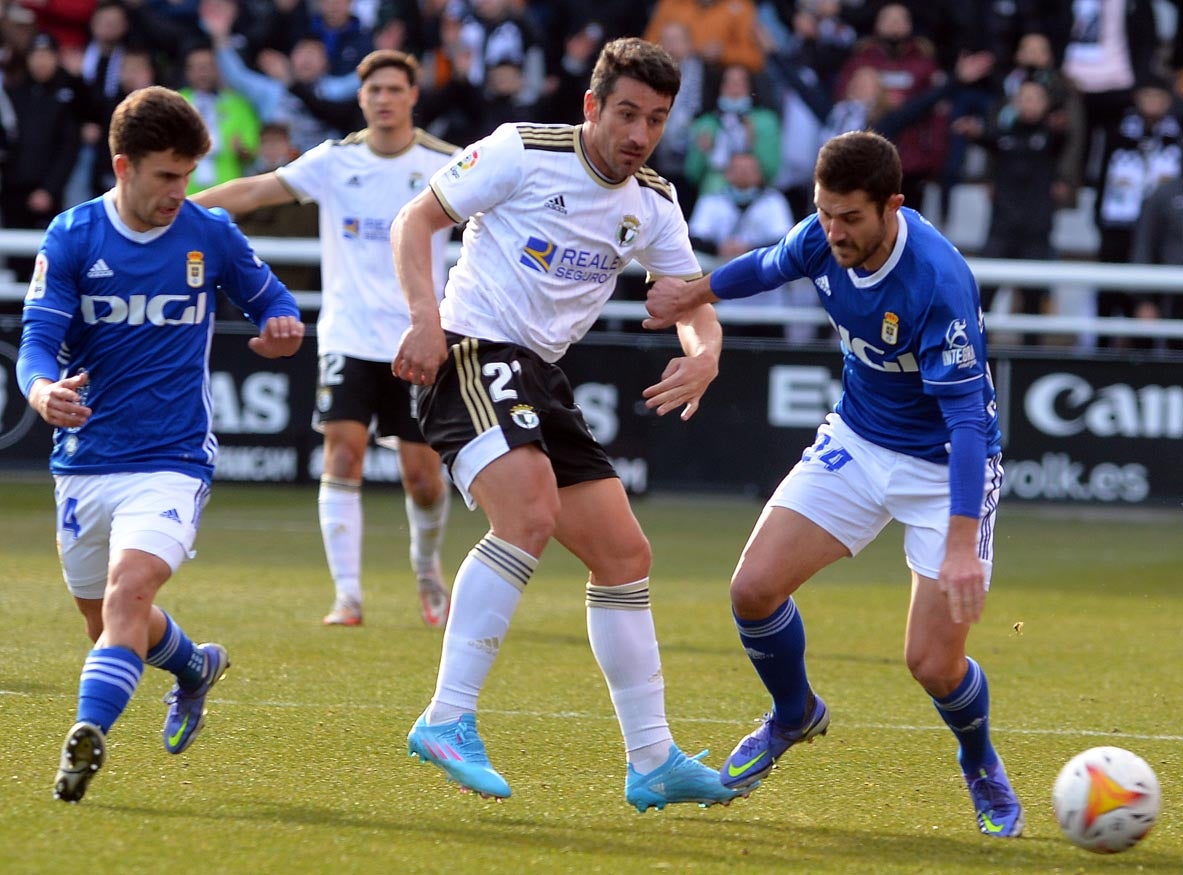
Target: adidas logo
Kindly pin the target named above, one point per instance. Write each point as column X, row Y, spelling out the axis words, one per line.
column 753, row 653
column 171, row 514
column 488, row 645
column 557, row 204
column 823, row 283
column 354, row 181
column 99, row 270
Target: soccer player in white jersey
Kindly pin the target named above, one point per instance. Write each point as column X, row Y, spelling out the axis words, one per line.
column 554, row 214
column 360, row 183
column 114, row 354
column 913, row 437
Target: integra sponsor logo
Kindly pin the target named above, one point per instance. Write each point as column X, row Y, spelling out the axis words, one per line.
column 1064, row 404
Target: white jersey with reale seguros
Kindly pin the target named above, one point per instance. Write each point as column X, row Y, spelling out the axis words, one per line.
column 363, row 312
column 548, row 236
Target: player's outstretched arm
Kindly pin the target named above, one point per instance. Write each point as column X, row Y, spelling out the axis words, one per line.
column 246, row 194
column 686, row 378
column 281, row 336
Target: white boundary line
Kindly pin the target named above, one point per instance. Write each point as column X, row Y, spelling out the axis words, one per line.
column 581, row 715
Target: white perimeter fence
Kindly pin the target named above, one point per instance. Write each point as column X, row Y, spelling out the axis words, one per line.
column 1073, row 285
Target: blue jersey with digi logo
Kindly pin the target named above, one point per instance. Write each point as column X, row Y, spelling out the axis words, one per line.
column 135, row 310
column 911, row 332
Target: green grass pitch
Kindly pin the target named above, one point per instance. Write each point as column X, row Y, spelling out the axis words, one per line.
column 302, row 766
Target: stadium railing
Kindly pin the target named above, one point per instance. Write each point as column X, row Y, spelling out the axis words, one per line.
column 1083, row 276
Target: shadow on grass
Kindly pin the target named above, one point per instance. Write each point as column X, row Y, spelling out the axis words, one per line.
column 680, row 838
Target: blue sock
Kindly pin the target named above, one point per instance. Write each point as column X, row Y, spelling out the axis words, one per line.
column 966, row 710
column 776, row 647
column 109, row 677
column 177, row 654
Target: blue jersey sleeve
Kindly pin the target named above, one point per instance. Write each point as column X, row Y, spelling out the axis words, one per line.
column 50, row 304
column 249, row 281
column 952, row 342
column 968, row 423
column 768, row 267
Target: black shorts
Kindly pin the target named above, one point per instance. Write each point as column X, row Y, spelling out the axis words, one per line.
column 492, row 392
column 362, row 391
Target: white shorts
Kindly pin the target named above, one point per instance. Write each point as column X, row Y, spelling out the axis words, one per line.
column 853, row 488
column 100, row 514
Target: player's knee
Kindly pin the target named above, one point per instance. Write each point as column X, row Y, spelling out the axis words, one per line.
column 751, row 598
column 424, row 486
column 937, row 672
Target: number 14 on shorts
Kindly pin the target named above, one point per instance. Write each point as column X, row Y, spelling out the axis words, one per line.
column 832, row 457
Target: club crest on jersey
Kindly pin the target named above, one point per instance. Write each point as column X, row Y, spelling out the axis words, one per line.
column 415, row 181
column 351, row 227
column 891, row 328
column 537, row 254
column 626, row 233
column 195, row 269
column 40, row 278
column 324, row 399
column 524, row 416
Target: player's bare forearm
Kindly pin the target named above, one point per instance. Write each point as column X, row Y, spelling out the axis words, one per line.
column 422, row 348
column 686, row 378
column 246, row 194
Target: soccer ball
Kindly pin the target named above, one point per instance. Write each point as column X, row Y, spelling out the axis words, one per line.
column 1106, row 799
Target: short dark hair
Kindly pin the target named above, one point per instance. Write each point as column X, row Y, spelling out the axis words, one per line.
column 157, row 119
column 634, row 58
column 860, row 160
column 381, row 58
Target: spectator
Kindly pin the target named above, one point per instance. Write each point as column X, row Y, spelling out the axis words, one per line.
column 18, row 26
column 39, row 159
column 1158, row 239
column 346, row 42
column 1143, row 149
column 723, row 32
column 1034, row 60
column 496, row 33
column 669, row 158
column 734, row 125
column 281, row 220
column 907, row 68
column 231, row 121
column 270, row 92
column 67, row 21
column 745, row 214
column 1025, row 146
column 1110, row 48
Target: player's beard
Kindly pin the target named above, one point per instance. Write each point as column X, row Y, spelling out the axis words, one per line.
column 853, row 255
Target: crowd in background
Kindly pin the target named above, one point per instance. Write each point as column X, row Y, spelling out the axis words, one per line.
column 1041, row 98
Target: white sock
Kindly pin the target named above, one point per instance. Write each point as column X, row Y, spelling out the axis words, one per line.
column 620, row 628
column 341, row 529
column 427, row 531
column 486, row 592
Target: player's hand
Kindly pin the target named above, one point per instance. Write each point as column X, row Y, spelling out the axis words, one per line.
column 420, row 353
column 683, row 383
column 668, row 300
column 59, row 404
column 963, row 581
column 281, row 336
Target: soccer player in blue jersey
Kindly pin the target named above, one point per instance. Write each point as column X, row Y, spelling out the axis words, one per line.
column 913, row 437
column 115, row 355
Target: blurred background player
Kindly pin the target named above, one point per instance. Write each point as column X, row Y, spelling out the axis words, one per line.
column 124, row 289
column 360, row 183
